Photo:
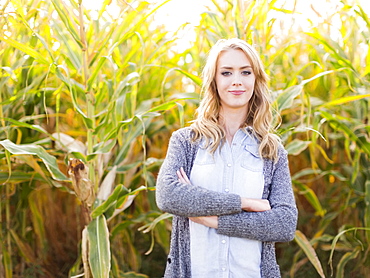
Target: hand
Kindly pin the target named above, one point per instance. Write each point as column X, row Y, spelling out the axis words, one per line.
column 249, row 204
column 208, row 221
column 183, row 178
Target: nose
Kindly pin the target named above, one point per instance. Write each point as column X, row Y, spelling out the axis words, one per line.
column 236, row 80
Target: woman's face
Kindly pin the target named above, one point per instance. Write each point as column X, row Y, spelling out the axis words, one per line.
column 234, row 80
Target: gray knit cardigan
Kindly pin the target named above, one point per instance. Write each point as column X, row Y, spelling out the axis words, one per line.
column 183, row 201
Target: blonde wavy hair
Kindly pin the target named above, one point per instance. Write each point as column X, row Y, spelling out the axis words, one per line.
column 207, row 124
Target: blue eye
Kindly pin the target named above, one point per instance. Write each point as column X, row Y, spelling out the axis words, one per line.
column 225, row 73
column 246, row 72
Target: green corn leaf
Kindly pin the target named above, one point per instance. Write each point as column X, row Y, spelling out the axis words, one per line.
column 71, row 53
column 285, row 99
column 149, row 227
column 344, row 100
column 74, row 88
column 95, row 72
column 237, row 19
column 111, row 201
column 28, row 149
column 318, row 173
column 75, row 269
column 123, row 199
column 297, row 146
column 217, row 5
column 143, row 18
column 23, row 124
column 197, row 80
column 304, row 82
column 367, row 209
column 311, row 197
column 130, row 80
column 162, row 235
column 99, row 247
column 38, row 222
column 334, row 48
column 345, row 259
column 19, row 177
column 219, row 26
column 338, row 124
column 180, row 108
column 24, row 247
column 27, row 50
column 62, row 11
column 361, row 12
column 307, row 248
column 7, row 263
column 104, row 147
column 162, row 107
column 167, row 105
column 335, row 240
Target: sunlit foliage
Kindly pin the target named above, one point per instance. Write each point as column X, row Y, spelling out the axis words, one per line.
column 97, row 95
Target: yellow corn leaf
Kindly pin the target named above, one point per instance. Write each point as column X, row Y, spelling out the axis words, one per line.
column 307, row 248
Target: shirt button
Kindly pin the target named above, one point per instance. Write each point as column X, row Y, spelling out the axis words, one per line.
column 228, row 165
column 226, row 190
column 223, row 269
column 223, row 241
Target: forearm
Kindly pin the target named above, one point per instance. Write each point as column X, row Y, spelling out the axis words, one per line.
column 278, row 224
column 189, row 200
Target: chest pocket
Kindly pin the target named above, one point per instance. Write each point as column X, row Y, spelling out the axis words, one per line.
column 251, row 159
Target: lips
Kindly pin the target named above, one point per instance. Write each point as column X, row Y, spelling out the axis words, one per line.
column 237, row 92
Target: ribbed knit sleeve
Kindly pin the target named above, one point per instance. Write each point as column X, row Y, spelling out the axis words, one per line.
column 183, row 199
column 277, row 224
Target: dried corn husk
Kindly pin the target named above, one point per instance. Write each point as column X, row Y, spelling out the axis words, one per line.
column 82, row 186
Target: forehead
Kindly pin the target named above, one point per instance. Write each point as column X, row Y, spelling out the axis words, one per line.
column 233, row 57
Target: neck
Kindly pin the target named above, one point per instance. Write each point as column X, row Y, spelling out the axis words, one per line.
column 232, row 121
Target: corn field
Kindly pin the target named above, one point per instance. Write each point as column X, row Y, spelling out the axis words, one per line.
column 88, row 101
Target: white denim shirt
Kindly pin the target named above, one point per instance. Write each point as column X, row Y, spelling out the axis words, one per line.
column 234, row 168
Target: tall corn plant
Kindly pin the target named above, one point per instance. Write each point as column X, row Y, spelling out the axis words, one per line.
column 319, row 87
column 80, row 95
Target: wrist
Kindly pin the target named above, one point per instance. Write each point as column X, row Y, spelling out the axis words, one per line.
column 244, row 203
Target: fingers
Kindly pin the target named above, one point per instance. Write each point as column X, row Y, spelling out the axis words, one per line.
column 183, row 178
column 208, row 221
column 180, row 176
column 184, row 175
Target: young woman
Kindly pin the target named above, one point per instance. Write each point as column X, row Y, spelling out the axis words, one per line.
column 226, row 178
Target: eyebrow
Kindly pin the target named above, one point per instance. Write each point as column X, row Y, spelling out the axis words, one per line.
column 229, row 67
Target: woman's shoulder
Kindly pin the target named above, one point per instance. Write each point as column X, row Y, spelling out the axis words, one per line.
column 281, row 149
column 282, row 154
column 184, row 133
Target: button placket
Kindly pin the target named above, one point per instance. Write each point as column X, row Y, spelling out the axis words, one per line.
column 223, row 263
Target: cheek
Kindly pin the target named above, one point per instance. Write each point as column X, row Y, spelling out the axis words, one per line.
column 250, row 84
column 221, row 84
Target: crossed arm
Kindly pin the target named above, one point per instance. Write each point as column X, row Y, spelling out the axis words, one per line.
column 273, row 219
column 247, row 204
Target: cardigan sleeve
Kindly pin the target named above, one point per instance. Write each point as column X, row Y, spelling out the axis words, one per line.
column 183, row 199
column 277, row 224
